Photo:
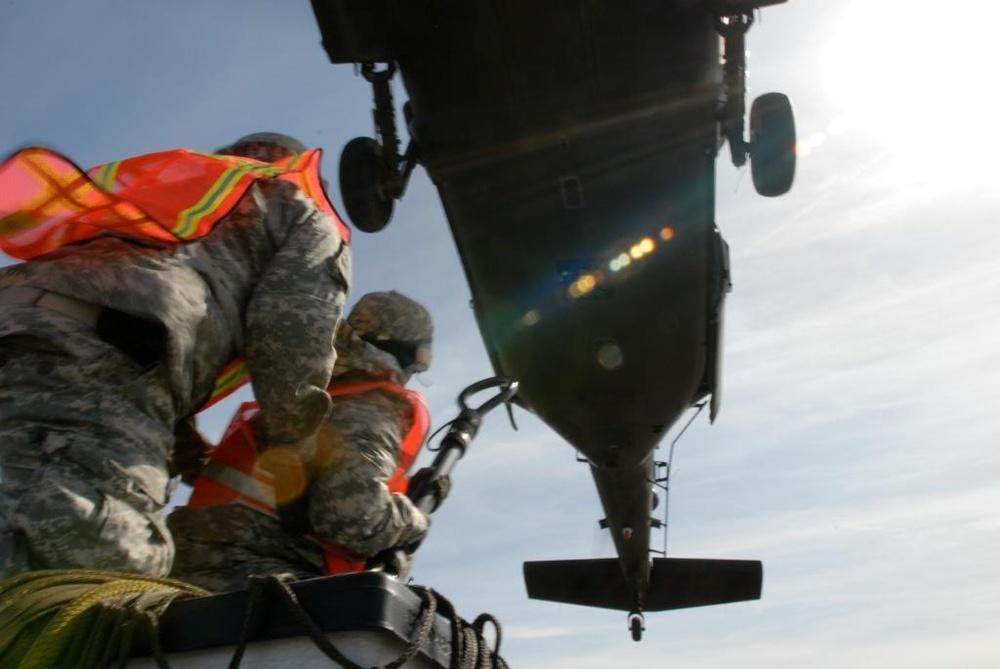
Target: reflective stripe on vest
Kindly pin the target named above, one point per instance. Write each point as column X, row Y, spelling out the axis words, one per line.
column 47, row 202
column 232, row 476
column 233, row 376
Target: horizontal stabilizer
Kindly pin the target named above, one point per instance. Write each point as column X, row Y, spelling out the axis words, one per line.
column 675, row 583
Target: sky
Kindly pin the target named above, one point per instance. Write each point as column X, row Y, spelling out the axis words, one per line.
column 856, row 452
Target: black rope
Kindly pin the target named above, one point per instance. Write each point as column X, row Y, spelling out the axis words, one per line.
column 424, row 625
column 312, row 629
column 479, row 624
column 469, row 649
column 260, row 584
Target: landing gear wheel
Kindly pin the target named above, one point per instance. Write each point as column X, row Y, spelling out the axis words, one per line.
column 635, row 624
column 362, row 177
column 772, row 144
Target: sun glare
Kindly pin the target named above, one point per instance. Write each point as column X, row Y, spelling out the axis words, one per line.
column 913, row 79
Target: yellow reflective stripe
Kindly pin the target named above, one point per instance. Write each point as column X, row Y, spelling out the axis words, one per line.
column 298, row 175
column 105, row 177
column 264, row 169
column 294, row 162
column 231, row 377
column 187, row 220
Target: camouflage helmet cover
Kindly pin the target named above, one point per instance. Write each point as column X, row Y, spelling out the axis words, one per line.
column 265, row 146
column 396, row 324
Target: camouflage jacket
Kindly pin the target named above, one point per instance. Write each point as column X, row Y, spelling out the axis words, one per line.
column 269, row 282
column 358, row 451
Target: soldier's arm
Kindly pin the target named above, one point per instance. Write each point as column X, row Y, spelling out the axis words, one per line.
column 350, row 502
column 291, row 320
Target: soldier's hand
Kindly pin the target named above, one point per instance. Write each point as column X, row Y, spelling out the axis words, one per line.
column 396, row 561
column 191, row 451
column 422, row 483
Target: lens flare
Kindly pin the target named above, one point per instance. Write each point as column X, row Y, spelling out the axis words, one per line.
column 583, row 285
column 529, row 318
column 619, row 263
column 642, row 248
column 609, row 355
column 290, row 479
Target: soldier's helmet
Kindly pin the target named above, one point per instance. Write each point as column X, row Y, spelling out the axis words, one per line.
column 396, row 324
column 265, row 146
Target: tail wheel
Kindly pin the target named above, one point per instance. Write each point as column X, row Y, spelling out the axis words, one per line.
column 772, row 144
column 635, row 625
column 362, row 178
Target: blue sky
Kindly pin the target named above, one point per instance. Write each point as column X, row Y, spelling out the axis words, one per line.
column 856, row 453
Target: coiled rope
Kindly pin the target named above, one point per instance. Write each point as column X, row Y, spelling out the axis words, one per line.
column 90, row 619
column 81, row 618
column 469, row 649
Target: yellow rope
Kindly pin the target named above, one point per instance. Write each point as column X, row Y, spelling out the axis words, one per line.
column 44, row 614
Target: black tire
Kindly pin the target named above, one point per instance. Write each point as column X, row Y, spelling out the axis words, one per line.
column 361, row 175
column 772, row 144
column 635, row 626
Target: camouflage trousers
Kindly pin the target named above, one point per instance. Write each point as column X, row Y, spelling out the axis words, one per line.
column 220, row 547
column 85, row 435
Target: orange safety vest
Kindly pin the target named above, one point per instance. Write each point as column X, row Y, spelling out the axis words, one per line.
column 47, row 202
column 232, row 475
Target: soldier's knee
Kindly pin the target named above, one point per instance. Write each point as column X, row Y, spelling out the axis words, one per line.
column 67, row 523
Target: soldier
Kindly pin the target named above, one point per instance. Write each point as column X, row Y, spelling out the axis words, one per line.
column 356, row 502
column 147, row 282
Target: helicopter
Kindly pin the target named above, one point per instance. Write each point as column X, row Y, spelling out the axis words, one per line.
column 573, row 144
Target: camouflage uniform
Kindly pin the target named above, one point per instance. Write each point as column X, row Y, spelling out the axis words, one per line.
column 86, row 429
column 358, row 450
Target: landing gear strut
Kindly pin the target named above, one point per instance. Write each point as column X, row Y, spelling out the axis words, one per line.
column 771, row 148
column 373, row 175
